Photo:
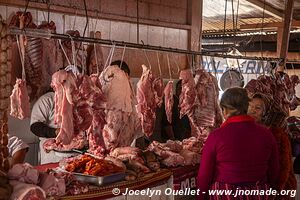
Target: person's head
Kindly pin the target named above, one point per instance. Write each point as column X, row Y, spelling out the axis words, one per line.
column 234, row 101
column 123, row 66
column 257, row 107
column 178, row 87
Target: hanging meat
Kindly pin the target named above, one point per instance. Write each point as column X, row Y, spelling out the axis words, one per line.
column 33, row 54
column 5, row 91
column 64, row 84
column 169, row 100
column 121, row 117
column 146, row 103
column 19, row 100
column 208, row 94
column 95, row 60
column 158, row 86
column 52, row 57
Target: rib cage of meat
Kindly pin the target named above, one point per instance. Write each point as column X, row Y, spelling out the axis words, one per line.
column 169, row 100
column 146, row 103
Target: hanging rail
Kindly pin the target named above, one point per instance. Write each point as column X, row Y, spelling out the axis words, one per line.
column 48, row 35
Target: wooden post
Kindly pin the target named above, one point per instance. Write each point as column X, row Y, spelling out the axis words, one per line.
column 285, row 38
column 195, row 8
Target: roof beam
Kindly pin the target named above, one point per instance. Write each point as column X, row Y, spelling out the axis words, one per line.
column 295, row 23
column 268, row 9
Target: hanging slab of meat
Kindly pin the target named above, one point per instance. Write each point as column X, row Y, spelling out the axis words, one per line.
column 121, row 118
column 64, row 84
column 146, row 103
column 95, row 57
column 169, row 100
column 24, row 173
column 158, row 86
column 24, row 191
column 207, row 91
column 188, row 96
column 19, row 100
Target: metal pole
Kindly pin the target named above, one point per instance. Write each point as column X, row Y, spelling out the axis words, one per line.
column 48, row 35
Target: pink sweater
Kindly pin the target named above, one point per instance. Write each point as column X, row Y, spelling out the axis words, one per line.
column 241, row 151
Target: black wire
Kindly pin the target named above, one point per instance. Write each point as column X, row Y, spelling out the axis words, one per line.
column 262, row 28
column 27, row 3
column 224, row 22
column 87, row 17
column 236, row 19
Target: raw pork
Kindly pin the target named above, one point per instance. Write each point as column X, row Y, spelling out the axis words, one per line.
column 147, row 105
column 169, row 100
column 19, row 100
column 190, row 158
column 64, row 84
column 51, row 185
column 158, row 86
column 24, row 173
column 192, row 144
column 23, row 191
column 121, row 118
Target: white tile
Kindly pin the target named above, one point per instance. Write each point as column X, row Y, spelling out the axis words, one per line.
column 143, row 33
column 183, row 39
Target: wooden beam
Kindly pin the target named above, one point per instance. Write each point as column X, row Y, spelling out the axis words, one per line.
column 268, row 9
column 93, row 14
column 288, row 15
column 195, row 9
column 195, row 20
column 295, row 23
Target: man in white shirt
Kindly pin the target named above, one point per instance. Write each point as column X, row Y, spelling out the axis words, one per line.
column 42, row 125
column 17, row 150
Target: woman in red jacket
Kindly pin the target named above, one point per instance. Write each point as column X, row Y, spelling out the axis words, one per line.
column 241, row 155
column 260, row 109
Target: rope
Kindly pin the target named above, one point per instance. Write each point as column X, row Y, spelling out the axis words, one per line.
column 147, row 58
column 108, row 57
column 22, row 59
column 123, row 56
column 62, row 48
column 168, row 60
column 158, row 64
column 112, row 53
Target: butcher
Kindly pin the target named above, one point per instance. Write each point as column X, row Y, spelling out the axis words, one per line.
column 17, row 150
column 42, row 125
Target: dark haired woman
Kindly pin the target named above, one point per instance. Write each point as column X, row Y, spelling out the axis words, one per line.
column 240, row 155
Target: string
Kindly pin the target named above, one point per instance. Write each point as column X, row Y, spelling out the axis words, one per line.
column 112, row 53
column 107, row 60
column 95, row 49
column 176, row 63
column 158, row 64
column 22, row 59
column 83, row 60
column 73, row 50
column 123, row 55
column 168, row 60
column 62, row 48
column 147, row 58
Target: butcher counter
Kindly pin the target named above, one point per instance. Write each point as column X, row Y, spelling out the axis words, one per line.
column 179, row 178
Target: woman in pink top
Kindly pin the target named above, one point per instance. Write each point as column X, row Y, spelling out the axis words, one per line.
column 240, row 155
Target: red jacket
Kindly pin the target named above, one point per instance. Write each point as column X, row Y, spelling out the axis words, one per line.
column 241, row 151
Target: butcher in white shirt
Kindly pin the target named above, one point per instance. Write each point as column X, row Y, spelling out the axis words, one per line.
column 17, row 150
